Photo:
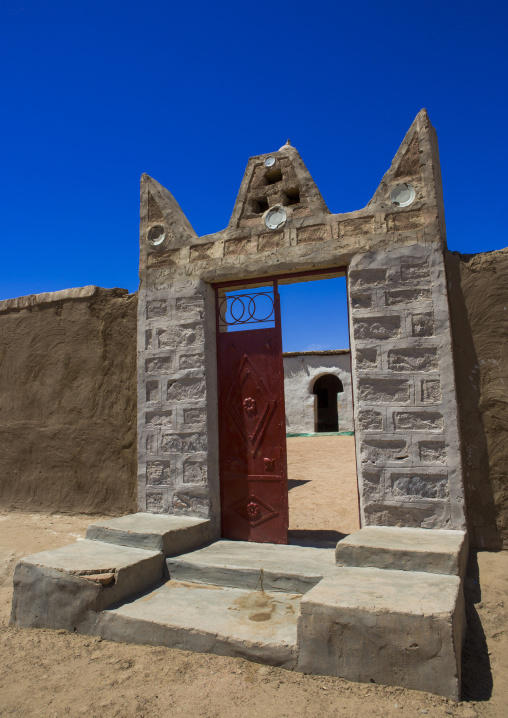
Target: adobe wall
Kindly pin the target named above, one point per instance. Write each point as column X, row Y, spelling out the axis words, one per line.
column 479, row 312
column 68, row 401
column 300, row 372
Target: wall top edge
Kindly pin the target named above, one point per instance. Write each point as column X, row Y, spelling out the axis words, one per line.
column 323, row 353
column 32, row 300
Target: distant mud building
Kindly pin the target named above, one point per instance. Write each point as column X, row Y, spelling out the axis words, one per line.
column 318, row 392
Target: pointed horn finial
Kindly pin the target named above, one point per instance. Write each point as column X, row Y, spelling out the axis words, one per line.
column 288, row 142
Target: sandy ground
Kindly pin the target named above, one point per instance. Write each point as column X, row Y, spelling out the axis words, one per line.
column 323, row 493
column 54, row 673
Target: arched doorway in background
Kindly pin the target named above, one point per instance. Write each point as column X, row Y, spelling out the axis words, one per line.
column 326, row 388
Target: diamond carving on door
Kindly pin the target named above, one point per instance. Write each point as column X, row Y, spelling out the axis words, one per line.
column 254, row 510
column 252, row 413
column 251, row 416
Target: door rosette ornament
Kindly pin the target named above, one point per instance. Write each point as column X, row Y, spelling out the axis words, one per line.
column 250, row 407
column 253, row 511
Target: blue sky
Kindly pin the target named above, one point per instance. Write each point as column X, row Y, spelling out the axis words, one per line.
column 93, row 94
column 314, row 315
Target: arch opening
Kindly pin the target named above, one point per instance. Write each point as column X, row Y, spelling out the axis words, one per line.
column 326, row 388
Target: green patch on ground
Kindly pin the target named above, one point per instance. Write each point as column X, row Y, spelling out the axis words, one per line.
column 325, row 433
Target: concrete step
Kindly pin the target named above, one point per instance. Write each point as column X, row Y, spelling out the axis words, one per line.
column 398, row 627
column 405, row 549
column 155, row 532
column 66, row 587
column 253, row 625
column 254, row 566
column 371, row 625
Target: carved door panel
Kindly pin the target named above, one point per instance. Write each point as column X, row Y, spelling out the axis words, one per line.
column 252, row 440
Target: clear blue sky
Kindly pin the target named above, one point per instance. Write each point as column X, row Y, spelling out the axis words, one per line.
column 93, row 94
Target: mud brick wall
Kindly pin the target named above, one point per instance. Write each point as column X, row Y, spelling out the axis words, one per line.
column 478, row 291
column 174, row 328
column 406, row 422
column 68, row 401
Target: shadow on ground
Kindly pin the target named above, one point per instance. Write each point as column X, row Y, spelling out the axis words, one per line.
column 315, row 538
column 477, row 680
column 293, row 483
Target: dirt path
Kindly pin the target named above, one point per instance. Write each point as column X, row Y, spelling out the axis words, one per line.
column 323, row 493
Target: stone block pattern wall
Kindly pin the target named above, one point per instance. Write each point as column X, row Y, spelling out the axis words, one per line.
column 406, row 411
column 404, row 392
column 173, row 390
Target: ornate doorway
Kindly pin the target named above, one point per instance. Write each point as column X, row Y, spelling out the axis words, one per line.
column 252, row 434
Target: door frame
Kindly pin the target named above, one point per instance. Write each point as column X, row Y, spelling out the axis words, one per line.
column 251, row 283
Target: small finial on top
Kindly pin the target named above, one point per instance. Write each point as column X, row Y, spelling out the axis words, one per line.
column 284, row 147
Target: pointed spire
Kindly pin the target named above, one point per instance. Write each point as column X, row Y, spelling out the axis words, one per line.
column 280, row 178
column 159, row 207
column 416, row 165
column 416, row 161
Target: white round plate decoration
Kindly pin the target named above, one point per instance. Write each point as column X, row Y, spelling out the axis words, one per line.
column 402, row 195
column 270, row 161
column 156, row 235
column 275, row 217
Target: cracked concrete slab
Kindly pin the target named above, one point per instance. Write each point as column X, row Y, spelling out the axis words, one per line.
column 254, row 566
column 62, row 588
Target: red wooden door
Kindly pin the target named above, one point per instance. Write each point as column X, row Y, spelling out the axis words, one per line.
column 252, row 433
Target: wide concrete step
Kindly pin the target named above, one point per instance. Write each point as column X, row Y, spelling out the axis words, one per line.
column 254, row 625
column 63, row 587
column 154, row 532
column 405, row 549
column 254, row 566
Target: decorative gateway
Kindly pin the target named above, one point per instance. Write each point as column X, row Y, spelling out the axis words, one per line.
column 386, row 605
column 216, row 296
